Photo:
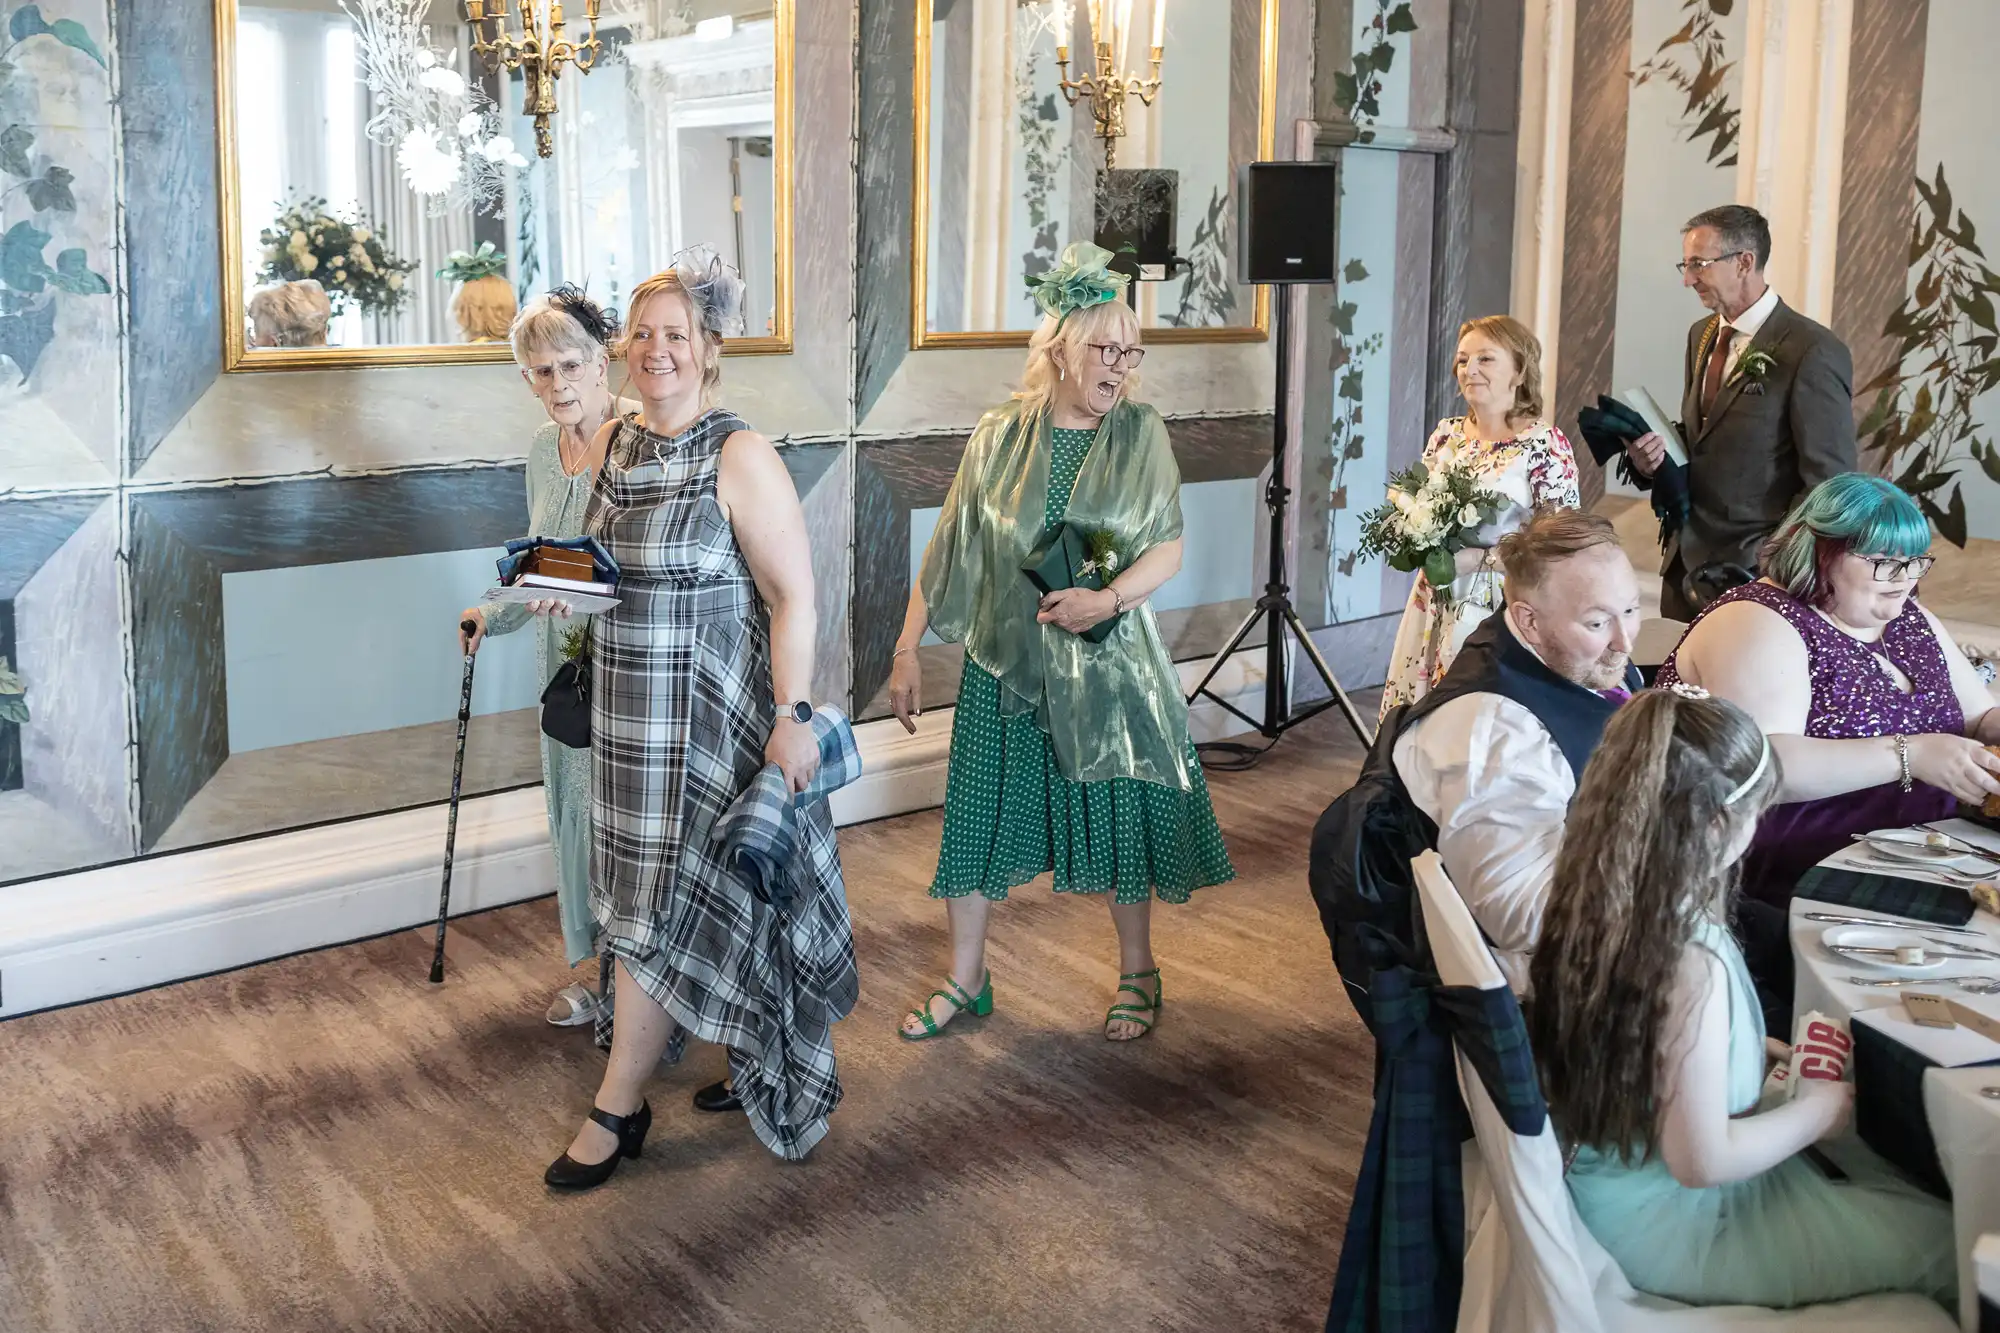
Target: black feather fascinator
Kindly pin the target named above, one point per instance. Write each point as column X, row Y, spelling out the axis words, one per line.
column 599, row 323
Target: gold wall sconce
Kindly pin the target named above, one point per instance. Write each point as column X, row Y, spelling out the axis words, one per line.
column 540, row 53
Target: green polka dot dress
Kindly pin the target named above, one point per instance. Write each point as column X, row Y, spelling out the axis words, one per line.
column 1010, row 815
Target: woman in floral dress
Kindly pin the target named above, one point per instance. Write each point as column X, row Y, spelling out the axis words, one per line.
column 1503, row 438
column 1067, row 755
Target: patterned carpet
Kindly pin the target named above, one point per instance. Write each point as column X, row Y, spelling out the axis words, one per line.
column 328, row 1142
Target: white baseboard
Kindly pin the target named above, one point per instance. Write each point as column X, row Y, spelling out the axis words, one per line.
column 94, row 933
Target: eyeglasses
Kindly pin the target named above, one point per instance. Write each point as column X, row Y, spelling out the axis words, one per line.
column 570, row 368
column 1698, row 265
column 1113, row 354
column 1890, row 569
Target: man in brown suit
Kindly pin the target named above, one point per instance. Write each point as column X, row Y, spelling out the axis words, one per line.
column 1767, row 409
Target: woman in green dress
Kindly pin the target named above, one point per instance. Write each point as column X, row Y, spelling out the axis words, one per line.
column 1067, row 755
column 561, row 341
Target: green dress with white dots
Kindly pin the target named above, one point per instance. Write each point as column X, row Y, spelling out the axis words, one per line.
column 1010, row 815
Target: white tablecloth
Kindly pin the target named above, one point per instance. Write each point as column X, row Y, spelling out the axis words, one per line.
column 1965, row 1123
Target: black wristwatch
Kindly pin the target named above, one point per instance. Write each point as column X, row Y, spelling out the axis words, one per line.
column 800, row 712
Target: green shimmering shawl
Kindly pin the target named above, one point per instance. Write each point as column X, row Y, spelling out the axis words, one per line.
column 1111, row 710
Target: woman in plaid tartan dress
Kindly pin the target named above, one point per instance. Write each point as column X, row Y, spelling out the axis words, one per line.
column 694, row 675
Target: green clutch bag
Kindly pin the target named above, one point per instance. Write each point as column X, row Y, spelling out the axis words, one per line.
column 1059, row 562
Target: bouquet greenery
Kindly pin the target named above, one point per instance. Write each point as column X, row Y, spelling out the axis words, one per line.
column 468, row 266
column 346, row 257
column 1432, row 513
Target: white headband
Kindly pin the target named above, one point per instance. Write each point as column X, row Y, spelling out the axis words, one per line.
column 1687, row 691
column 1763, row 762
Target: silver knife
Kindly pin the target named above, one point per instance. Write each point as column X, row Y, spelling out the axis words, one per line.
column 1961, row 944
column 1929, row 952
column 1909, row 924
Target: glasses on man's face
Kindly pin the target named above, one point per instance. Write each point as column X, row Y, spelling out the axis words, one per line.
column 1701, row 265
column 1114, row 355
column 1892, row 569
column 569, row 368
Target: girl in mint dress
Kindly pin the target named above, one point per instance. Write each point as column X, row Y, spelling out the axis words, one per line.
column 1067, row 755
column 1651, row 1044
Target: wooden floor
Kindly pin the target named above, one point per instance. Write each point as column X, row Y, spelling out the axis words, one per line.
column 327, row 1142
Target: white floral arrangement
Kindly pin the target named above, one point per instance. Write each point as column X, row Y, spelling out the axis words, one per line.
column 347, row 257
column 1432, row 513
column 449, row 139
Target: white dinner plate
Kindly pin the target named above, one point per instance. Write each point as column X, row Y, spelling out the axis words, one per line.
column 1840, row 940
column 1909, row 845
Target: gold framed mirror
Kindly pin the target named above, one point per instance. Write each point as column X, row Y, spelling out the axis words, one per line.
column 383, row 202
column 1010, row 146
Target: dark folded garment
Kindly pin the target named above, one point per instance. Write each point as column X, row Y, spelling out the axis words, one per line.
column 1062, row 560
column 1920, row 900
column 1607, row 428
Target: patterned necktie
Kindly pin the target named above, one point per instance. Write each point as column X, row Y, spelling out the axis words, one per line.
column 1711, row 375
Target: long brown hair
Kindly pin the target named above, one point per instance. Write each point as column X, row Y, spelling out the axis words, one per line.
column 1645, row 857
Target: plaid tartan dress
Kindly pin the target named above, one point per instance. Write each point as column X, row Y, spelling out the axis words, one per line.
column 681, row 710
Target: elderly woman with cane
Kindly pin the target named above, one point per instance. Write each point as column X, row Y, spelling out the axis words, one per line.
column 1069, row 749
column 562, row 343
column 700, row 683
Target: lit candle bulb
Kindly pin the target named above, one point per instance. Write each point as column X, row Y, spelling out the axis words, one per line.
column 1124, row 34
column 1159, row 24
column 1064, row 17
column 1096, row 21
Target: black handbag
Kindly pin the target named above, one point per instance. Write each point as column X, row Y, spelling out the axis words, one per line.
column 566, row 703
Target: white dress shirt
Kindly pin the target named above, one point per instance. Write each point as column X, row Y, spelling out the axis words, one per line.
column 1744, row 327
column 1494, row 781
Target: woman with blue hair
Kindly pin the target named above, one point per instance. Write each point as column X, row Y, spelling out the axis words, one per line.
column 1878, row 718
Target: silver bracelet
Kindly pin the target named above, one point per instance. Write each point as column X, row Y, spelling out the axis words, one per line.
column 1117, row 602
column 899, row 652
column 1903, row 758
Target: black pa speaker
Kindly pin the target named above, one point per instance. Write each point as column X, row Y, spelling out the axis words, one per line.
column 1285, row 221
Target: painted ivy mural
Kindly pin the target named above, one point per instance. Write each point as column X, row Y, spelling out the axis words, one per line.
column 1694, row 62
column 1359, row 96
column 1208, row 297
column 1921, row 429
column 1042, row 155
column 31, row 280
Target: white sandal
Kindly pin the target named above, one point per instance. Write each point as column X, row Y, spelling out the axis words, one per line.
column 573, row 1006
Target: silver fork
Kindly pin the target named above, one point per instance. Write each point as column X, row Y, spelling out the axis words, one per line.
column 1952, row 878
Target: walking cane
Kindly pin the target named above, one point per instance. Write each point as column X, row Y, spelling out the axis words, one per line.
column 468, row 628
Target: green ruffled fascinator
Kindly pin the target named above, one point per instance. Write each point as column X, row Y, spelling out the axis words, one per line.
column 1079, row 280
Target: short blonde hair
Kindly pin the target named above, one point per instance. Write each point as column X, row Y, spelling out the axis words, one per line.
column 291, row 314
column 1107, row 321
column 1520, row 343
column 668, row 281
column 484, row 308
column 1549, row 538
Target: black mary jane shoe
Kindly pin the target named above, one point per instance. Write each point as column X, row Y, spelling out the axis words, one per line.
column 717, row 1097
column 566, row 1173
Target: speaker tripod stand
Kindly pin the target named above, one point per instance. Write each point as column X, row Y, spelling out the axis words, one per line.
column 1274, row 610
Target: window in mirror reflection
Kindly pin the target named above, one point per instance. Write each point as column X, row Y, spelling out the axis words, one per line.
column 668, row 142
column 1012, row 174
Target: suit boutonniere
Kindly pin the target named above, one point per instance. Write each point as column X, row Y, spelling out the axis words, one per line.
column 1753, row 368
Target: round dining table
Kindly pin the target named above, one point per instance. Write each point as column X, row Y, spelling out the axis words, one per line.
column 1957, row 1068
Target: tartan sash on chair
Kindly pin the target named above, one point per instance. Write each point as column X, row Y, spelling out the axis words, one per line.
column 1402, row 1260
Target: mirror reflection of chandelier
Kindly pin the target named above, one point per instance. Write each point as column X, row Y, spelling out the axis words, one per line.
column 1105, row 82
column 538, row 52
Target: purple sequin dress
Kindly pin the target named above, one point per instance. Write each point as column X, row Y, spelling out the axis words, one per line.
column 1851, row 697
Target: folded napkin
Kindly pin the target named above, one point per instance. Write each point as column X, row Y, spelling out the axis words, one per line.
column 759, row 831
column 1891, row 1056
column 1871, row 891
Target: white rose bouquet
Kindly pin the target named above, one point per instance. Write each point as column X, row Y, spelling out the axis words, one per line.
column 1432, row 513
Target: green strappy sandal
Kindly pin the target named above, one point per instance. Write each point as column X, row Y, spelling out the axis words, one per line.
column 1142, row 1014
column 981, row 1005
